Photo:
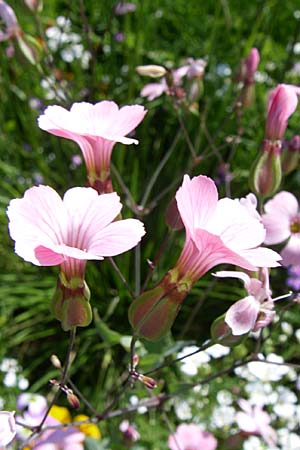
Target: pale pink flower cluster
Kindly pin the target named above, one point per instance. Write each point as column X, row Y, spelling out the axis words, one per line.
column 254, row 420
column 191, row 437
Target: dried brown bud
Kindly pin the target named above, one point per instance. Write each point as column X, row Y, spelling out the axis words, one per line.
column 73, row 400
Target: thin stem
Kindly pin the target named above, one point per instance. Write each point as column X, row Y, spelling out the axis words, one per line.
column 116, row 268
column 159, row 169
column 184, row 130
column 137, row 269
column 200, row 349
column 81, row 396
column 61, row 383
column 123, row 186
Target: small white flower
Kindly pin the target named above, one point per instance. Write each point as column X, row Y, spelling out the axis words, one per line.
column 224, row 398
column 10, row 379
column 183, row 410
column 217, row 351
column 191, row 364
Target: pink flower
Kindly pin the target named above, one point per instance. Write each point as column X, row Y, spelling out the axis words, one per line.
column 255, row 310
column 124, row 8
column 51, row 231
column 282, row 222
column 282, row 104
column 96, row 129
column 7, row 427
column 154, row 90
column 8, row 16
column 249, row 67
column 69, row 438
column 253, row 420
column 191, row 437
column 129, row 432
column 217, row 231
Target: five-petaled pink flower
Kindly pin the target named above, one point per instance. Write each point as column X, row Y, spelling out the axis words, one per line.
column 217, row 231
column 254, row 311
column 191, row 437
column 96, row 129
column 282, row 104
column 282, row 222
column 51, row 231
column 253, row 420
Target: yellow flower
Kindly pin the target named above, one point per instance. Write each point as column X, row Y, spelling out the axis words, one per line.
column 89, row 429
column 60, row 413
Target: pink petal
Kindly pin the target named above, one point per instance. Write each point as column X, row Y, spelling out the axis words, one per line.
column 104, row 119
column 291, row 252
column 118, row 237
column 55, row 255
column 153, row 90
column 196, row 200
column 212, row 252
column 241, row 316
column 38, row 218
column 279, row 212
column 89, row 213
column 246, row 422
column 261, row 257
column 235, row 274
column 282, row 104
column 237, row 228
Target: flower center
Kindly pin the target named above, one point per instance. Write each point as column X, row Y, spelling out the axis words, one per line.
column 295, row 225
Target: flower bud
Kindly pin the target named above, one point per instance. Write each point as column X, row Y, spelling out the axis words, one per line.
column 150, row 383
column 153, row 313
column 266, row 175
column 55, row 361
column 71, row 305
column 151, row 70
column 221, row 332
column 73, row 400
column 173, row 219
column 290, row 155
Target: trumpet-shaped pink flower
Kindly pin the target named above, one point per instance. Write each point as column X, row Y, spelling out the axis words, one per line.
column 282, row 222
column 50, row 231
column 96, row 129
column 191, row 437
column 253, row 420
column 254, row 311
column 217, row 231
column 282, row 104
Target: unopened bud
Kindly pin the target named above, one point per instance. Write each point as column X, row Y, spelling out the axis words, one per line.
column 266, row 175
column 151, row 70
column 135, row 361
column 73, row 400
column 221, row 332
column 55, row 361
column 173, row 218
column 150, row 383
column 290, row 155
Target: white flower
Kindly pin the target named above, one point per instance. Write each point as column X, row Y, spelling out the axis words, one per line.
column 266, row 371
column 224, row 398
column 191, row 364
column 261, row 393
column 288, row 440
column 10, row 379
column 183, row 410
column 134, row 400
column 254, row 443
column 223, row 416
column 217, row 351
